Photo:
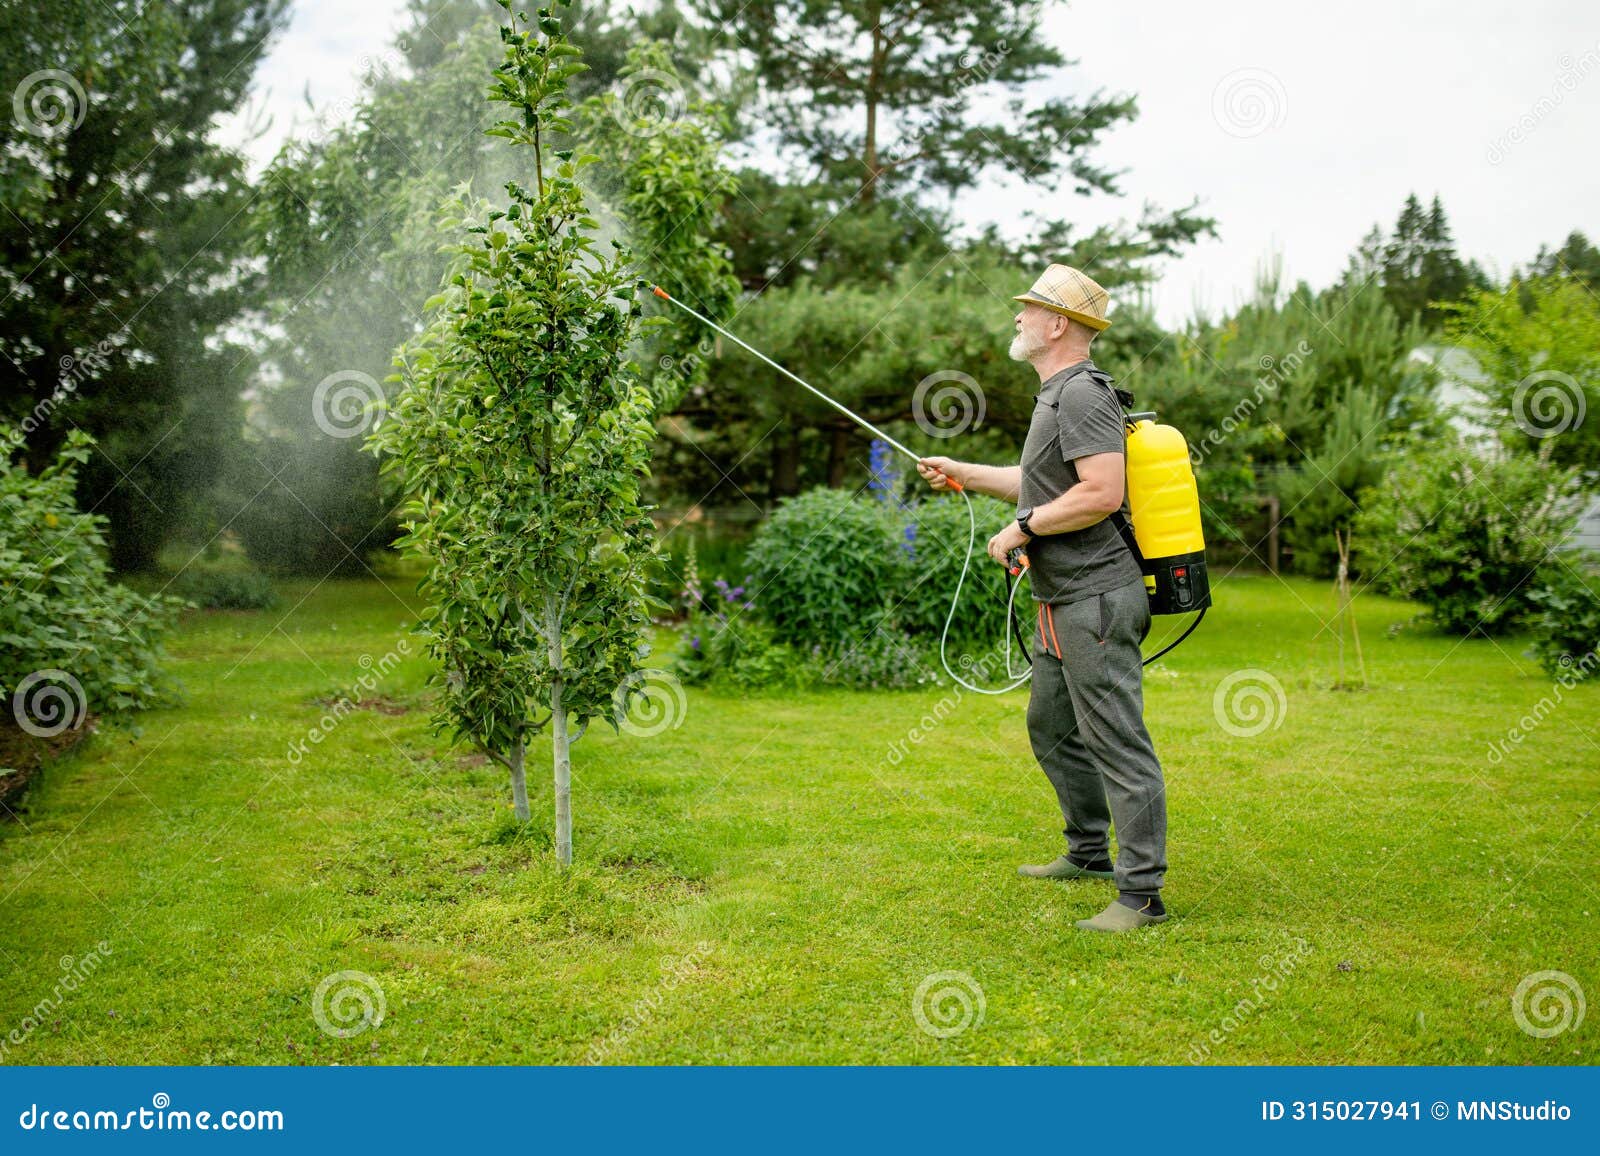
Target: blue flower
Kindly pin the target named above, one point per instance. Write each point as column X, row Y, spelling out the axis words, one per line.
column 884, row 478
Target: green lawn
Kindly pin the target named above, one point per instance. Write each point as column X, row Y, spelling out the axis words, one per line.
column 768, row 883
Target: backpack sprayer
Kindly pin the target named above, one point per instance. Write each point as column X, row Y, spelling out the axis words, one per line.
column 1165, row 536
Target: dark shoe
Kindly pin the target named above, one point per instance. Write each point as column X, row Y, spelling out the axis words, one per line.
column 1120, row 917
column 1062, row 868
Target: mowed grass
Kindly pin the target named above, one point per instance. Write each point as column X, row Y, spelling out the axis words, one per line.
column 773, row 880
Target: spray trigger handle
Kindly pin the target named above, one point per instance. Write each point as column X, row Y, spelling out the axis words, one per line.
column 1016, row 561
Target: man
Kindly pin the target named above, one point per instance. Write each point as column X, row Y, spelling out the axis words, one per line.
column 1086, row 712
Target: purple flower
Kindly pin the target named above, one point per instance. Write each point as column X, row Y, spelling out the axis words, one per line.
column 694, row 642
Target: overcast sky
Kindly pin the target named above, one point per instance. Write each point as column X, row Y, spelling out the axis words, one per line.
column 1297, row 125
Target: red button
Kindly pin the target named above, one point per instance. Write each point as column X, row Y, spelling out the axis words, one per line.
column 1180, row 571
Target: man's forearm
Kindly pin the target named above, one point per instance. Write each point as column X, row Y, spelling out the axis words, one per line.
column 1001, row 482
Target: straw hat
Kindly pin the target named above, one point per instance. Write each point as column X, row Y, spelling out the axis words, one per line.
column 1062, row 289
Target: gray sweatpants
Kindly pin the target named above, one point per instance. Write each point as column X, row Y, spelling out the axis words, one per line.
column 1086, row 723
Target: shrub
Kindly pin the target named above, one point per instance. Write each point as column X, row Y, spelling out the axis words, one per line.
column 831, row 566
column 825, row 566
column 1567, row 628
column 937, row 539
column 62, row 612
column 226, row 588
column 1464, row 535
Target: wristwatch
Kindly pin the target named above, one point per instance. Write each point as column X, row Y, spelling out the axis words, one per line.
column 1022, row 520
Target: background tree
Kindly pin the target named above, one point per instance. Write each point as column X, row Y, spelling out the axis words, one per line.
column 1538, row 344
column 121, row 253
column 1416, row 267
column 1576, row 258
column 881, row 115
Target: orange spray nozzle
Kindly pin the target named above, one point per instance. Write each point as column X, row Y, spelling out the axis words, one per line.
column 660, row 292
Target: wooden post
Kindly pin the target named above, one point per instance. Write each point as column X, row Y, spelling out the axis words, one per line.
column 1270, row 501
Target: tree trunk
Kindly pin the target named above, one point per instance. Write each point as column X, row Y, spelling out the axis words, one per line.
column 786, row 462
column 563, row 758
column 839, row 454
column 869, row 191
column 519, row 782
column 560, row 744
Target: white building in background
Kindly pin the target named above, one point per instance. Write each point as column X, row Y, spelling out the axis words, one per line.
column 1459, row 374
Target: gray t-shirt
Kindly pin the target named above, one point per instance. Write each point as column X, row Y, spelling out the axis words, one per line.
column 1075, row 415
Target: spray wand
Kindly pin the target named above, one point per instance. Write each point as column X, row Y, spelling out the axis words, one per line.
column 1018, row 562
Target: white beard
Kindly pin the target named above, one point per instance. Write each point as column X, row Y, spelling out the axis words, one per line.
column 1024, row 350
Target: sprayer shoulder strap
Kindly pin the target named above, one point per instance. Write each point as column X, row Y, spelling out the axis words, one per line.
column 1118, row 518
column 1124, row 401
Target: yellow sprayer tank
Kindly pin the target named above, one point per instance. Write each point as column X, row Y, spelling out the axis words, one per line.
column 1165, row 506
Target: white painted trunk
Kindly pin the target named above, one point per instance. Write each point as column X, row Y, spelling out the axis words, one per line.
column 560, row 743
column 563, row 759
column 519, row 782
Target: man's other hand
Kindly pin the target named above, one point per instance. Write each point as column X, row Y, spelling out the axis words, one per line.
column 1008, row 539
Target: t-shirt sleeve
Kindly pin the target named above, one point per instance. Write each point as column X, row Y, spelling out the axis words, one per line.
column 1091, row 423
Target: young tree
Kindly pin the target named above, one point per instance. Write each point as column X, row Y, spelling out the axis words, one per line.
column 523, row 438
